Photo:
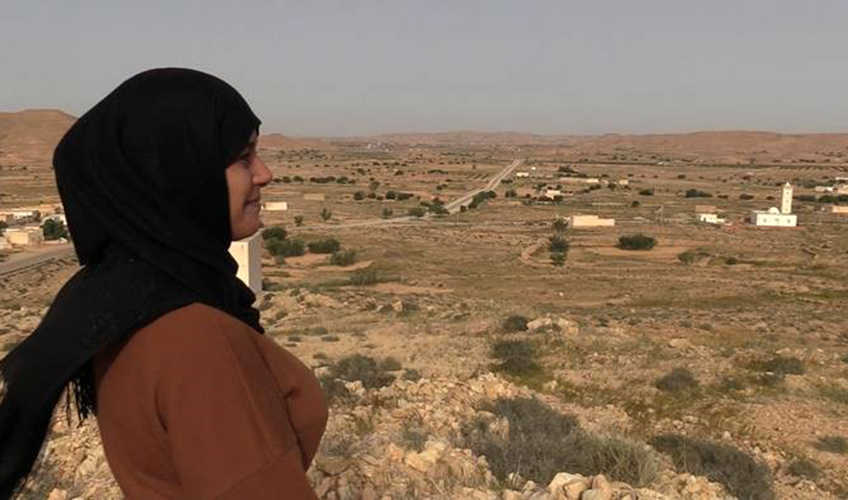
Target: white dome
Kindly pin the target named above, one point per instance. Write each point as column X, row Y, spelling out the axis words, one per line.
column 773, row 210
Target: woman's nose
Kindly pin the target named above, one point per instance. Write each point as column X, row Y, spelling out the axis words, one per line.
column 262, row 175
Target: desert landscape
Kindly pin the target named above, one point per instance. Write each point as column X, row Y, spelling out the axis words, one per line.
column 480, row 335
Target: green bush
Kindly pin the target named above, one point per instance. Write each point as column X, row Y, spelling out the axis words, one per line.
column 387, row 213
column 779, row 365
column 542, row 442
column 690, row 257
column 343, row 258
column 359, row 195
column 646, row 192
column 558, row 259
column 832, row 444
column 558, row 244
column 326, row 214
column 328, row 245
column 54, row 229
column 286, row 248
column 740, row 474
column 695, row 193
column 515, row 323
column 417, row 212
column 298, row 220
column 362, row 368
column 636, row 242
column 678, row 380
column 276, row 232
column 804, row 468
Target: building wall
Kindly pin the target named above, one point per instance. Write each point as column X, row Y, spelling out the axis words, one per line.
column 275, row 206
column 837, row 209
column 248, row 255
column 24, row 236
column 775, row 220
column 313, row 197
column 590, row 221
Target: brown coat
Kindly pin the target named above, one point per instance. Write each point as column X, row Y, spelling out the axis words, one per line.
column 197, row 405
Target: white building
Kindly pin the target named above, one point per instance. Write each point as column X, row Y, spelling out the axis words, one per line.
column 552, row 193
column 4, row 243
column 521, row 175
column 248, row 255
column 578, row 221
column 25, row 236
column 775, row 217
column 842, row 189
column 710, row 218
column 58, row 218
column 837, row 209
column 275, row 206
column 824, row 189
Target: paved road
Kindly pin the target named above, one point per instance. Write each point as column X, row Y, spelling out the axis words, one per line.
column 455, row 205
column 452, row 207
column 32, row 259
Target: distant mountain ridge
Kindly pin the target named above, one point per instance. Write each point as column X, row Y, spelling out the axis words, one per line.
column 29, row 137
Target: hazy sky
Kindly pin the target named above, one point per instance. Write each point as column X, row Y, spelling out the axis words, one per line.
column 315, row 67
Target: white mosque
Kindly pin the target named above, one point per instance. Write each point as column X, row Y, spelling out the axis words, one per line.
column 782, row 217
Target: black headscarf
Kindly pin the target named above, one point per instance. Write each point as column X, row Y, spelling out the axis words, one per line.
column 142, row 180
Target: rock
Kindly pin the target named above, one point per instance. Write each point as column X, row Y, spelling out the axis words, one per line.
column 539, row 323
column 510, row 495
column 600, row 483
column 594, row 494
column 679, row 344
column 563, row 478
column 567, row 326
column 58, row 494
column 333, row 466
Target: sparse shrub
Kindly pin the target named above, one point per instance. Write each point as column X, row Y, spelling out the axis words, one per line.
column 695, row 193
column 390, row 364
column 276, row 232
column 326, row 214
column 334, row 389
column 690, row 257
column 636, row 242
column 330, row 338
column 328, row 245
column 411, row 374
column 832, row 444
column 805, row 468
column 363, row 277
column 558, row 244
column 417, row 212
column 731, row 261
column 387, row 213
column 646, row 192
column 413, row 438
column 559, row 225
column 834, row 393
column 542, row 442
column 362, row 368
column 515, row 323
column 634, row 204
column 343, row 258
column 678, row 380
column 558, row 259
column 285, row 248
column 298, row 220
column 740, row 474
column 517, row 358
column 779, row 365
column 746, row 196
column 359, row 195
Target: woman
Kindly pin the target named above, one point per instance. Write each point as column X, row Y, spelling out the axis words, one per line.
column 155, row 333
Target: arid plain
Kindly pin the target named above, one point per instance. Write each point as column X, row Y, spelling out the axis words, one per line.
column 714, row 364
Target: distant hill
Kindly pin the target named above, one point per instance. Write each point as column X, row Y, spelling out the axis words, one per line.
column 280, row 141
column 29, row 137
column 714, row 147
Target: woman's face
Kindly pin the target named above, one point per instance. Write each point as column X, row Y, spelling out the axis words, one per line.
column 245, row 177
